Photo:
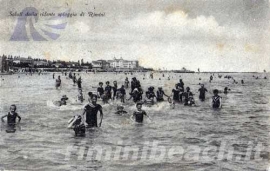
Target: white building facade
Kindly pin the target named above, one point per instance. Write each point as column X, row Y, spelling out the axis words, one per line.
column 123, row 64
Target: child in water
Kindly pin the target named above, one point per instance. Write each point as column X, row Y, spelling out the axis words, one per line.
column 120, row 110
column 12, row 116
column 63, row 100
column 139, row 114
column 216, row 100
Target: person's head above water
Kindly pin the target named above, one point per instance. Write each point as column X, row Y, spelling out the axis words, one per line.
column 64, row 97
column 215, row 91
column 120, row 107
column 139, row 105
column 107, row 82
column 202, row 85
column 187, row 88
column 13, row 108
column 100, row 83
column 90, row 94
column 159, row 88
column 114, row 82
column 94, row 99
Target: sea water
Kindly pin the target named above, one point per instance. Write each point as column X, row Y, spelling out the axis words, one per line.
column 43, row 142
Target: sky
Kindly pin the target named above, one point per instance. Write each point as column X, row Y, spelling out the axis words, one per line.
column 213, row 35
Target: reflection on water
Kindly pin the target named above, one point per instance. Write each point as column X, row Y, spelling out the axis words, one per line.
column 42, row 140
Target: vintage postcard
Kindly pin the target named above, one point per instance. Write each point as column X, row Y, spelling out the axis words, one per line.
column 135, row 85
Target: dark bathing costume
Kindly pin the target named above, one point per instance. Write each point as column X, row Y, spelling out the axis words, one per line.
column 216, row 101
column 139, row 115
column 108, row 89
column 202, row 93
column 176, row 94
column 160, row 94
column 100, row 90
column 91, row 114
column 11, row 119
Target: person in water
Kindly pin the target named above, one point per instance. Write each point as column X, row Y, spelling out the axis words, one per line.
column 160, row 94
column 216, row 100
column 189, row 100
column 114, row 88
column 126, row 82
column 78, row 126
column 80, row 96
column 226, row 90
column 63, row 100
column 74, row 79
column 176, row 94
column 79, row 83
column 121, row 93
column 120, row 110
column 150, row 95
column 12, row 116
column 202, row 91
column 58, row 82
column 139, row 114
column 136, row 95
column 211, row 78
column 91, row 110
column 100, row 90
column 108, row 90
column 180, row 85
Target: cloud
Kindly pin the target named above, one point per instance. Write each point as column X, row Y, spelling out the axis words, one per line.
column 177, row 25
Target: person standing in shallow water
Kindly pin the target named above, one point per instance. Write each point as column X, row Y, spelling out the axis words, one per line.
column 12, row 116
column 58, row 82
column 216, row 100
column 91, row 110
column 139, row 114
column 79, row 83
column 202, row 91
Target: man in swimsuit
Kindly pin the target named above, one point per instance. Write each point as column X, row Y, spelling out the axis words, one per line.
column 160, row 94
column 12, row 116
column 91, row 111
column 139, row 114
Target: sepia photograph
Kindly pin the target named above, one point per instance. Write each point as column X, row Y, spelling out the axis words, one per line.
column 145, row 85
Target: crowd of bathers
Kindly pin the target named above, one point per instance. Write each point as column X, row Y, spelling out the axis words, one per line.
column 179, row 95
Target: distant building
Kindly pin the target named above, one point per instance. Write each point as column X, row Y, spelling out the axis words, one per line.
column 101, row 65
column 123, row 64
column 41, row 63
column 23, row 62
